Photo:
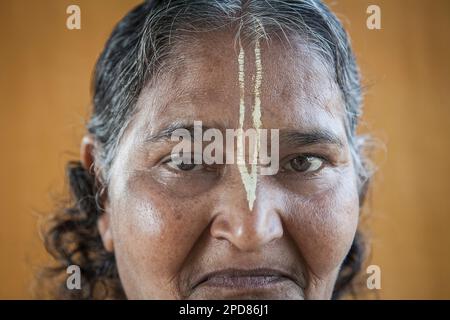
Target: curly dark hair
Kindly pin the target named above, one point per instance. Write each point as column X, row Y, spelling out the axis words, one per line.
column 134, row 53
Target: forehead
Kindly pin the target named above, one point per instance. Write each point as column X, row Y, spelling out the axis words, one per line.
column 201, row 82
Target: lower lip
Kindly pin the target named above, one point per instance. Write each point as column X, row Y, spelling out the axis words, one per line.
column 247, row 287
column 243, row 282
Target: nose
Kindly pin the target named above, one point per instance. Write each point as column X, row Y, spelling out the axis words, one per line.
column 244, row 229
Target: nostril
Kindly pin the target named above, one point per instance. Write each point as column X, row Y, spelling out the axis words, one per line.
column 246, row 230
column 220, row 228
column 245, row 234
column 276, row 227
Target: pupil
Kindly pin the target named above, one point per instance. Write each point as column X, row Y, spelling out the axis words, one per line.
column 186, row 166
column 300, row 164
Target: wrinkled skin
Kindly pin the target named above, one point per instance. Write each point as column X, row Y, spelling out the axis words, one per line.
column 190, row 234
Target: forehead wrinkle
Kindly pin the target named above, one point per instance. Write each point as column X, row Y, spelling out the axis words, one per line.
column 300, row 73
column 181, row 89
column 180, row 111
column 198, row 83
column 183, row 107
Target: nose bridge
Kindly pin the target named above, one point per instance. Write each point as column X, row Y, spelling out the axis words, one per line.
column 246, row 230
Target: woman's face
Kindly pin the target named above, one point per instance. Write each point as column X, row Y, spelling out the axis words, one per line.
column 186, row 232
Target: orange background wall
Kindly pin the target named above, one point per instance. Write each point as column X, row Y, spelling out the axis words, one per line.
column 45, row 74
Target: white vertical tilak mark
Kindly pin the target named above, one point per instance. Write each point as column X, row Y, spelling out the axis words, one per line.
column 249, row 179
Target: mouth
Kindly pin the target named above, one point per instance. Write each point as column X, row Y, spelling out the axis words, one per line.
column 241, row 279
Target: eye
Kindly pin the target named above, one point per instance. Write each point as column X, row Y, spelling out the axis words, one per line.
column 185, row 166
column 305, row 164
column 182, row 163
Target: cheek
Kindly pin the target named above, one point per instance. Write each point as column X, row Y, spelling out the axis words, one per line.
column 153, row 233
column 324, row 225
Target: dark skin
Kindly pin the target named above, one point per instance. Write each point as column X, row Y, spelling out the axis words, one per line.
column 189, row 234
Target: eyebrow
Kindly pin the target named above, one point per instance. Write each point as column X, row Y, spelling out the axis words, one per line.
column 166, row 133
column 293, row 137
column 319, row 136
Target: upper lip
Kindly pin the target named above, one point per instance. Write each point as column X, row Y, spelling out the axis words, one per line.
column 244, row 273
